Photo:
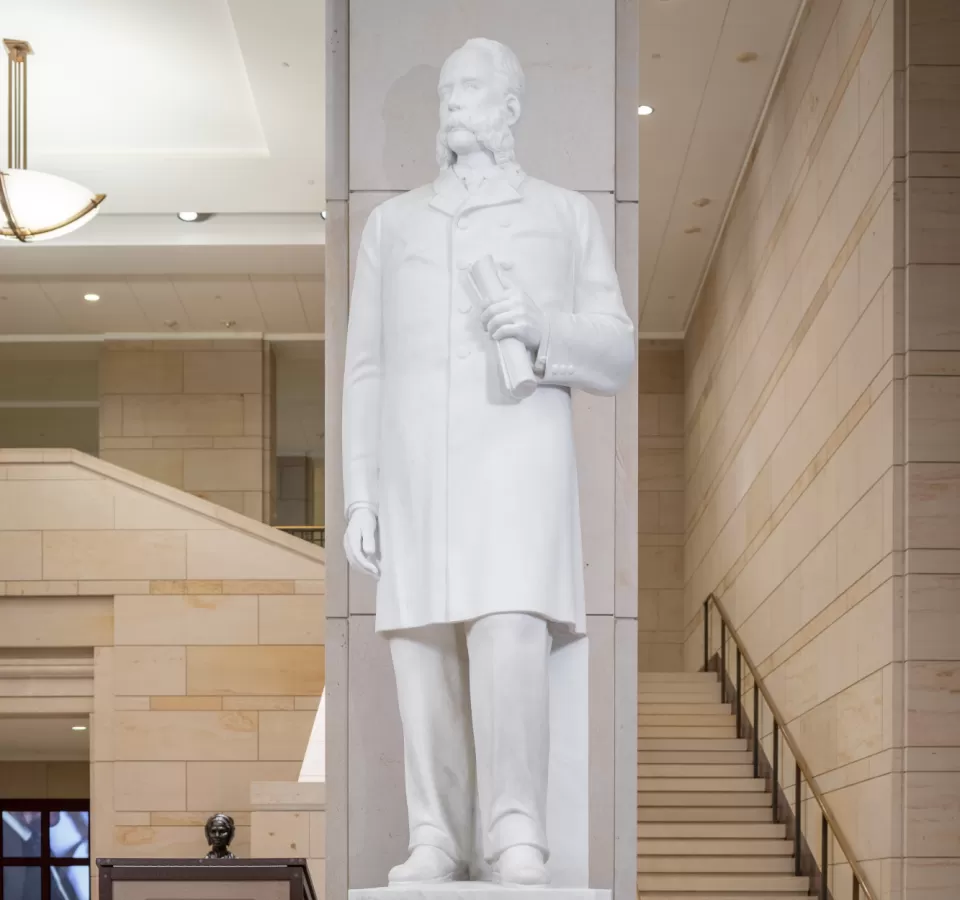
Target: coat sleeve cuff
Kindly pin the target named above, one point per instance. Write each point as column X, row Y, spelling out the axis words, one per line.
column 360, row 504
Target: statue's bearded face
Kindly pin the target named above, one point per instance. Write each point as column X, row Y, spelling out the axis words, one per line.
column 476, row 112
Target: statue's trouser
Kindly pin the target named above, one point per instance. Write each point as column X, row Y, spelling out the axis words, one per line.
column 507, row 693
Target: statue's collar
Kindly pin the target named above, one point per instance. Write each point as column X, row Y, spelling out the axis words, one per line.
column 502, row 186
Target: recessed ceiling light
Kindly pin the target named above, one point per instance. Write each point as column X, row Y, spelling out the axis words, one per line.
column 228, row 323
column 703, row 201
column 746, row 56
column 91, row 298
column 323, row 214
column 170, row 323
column 79, row 727
column 644, row 110
column 188, row 216
column 693, row 229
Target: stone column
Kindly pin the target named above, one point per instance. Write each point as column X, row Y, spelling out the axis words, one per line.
column 197, row 415
column 579, row 131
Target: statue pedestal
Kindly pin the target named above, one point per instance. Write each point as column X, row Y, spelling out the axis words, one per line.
column 477, row 890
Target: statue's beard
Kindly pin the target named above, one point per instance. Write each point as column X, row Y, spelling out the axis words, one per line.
column 492, row 133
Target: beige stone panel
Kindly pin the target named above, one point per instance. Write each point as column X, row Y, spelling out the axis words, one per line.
column 114, row 554
column 648, row 512
column 173, row 842
column 648, row 415
column 53, row 706
column 251, row 671
column 934, row 120
column 660, row 469
column 932, row 799
column 934, row 221
column 113, row 588
column 42, row 589
column 195, row 703
column 318, row 834
column 226, row 785
column 131, row 818
column 250, row 558
column 141, row 372
column 137, row 510
column 149, row 786
column 193, row 819
column 660, row 657
column 222, row 470
column 131, row 703
column 111, row 417
column 143, row 671
column 933, row 704
column 933, row 618
column 165, row 466
column 269, row 586
column 253, row 414
column 257, row 703
column 930, row 879
column 933, row 505
column 933, row 428
column 39, row 505
column 21, row 555
column 233, row 500
column 56, row 622
column 866, row 811
column 144, row 619
column 292, row 619
column 661, row 567
column 931, row 307
column 185, row 735
column 311, row 703
column 660, row 368
column 860, row 538
column 671, row 512
column 188, row 586
column 214, row 372
column 101, row 810
column 182, row 415
column 284, row 735
column 282, row 834
column 221, row 619
column 178, row 443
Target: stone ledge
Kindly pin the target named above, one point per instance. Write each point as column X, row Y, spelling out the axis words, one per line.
column 288, row 795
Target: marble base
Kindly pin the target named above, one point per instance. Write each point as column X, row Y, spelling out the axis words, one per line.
column 477, row 890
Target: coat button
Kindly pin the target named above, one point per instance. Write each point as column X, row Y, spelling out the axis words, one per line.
column 463, row 352
column 506, row 264
column 465, row 307
column 462, row 224
column 463, row 264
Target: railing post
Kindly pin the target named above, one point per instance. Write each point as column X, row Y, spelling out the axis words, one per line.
column 824, row 858
column 797, row 836
column 739, row 693
column 776, row 767
column 856, row 888
column 706, row 635
column 723, row 661
column 756, row 729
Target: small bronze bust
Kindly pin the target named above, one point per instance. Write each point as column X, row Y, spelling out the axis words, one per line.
column 220, row 831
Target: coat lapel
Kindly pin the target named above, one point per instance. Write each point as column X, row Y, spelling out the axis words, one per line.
column 451, row 197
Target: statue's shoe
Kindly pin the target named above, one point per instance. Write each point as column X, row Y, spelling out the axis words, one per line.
column 521, row 865
column 427, row 865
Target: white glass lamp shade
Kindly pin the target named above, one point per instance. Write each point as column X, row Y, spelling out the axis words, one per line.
column 35, row 206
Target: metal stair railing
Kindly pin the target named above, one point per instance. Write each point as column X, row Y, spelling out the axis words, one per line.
column 717, row 661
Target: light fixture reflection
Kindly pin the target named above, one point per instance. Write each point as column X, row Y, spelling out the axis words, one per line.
column 79, row 727
column 91, row 298
column 188, row 216
column 644, row 110
column 35, row 206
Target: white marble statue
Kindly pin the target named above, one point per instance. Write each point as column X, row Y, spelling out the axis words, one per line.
column 461, row 499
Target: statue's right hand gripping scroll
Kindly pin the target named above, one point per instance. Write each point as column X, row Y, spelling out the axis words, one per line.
column 360, row 542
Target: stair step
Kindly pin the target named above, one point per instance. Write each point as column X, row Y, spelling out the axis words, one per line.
column 717, row 814
column 696, row 798
column 679, row 732
column 712, row 895
column 677, row 677
column 692, row 770
column 694, row 830
column 742, row 865
column 646, row 708
column 695, row 758
column 686, row 745
column 747, row 884
column 715, row 847
column 679, row 697
column 711, row 785
column 679, row 687
column 699, row 720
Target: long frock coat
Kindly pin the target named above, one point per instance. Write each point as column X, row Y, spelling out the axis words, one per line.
column 476, row 494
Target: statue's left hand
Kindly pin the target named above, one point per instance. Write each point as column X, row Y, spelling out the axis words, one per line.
column 514, row 315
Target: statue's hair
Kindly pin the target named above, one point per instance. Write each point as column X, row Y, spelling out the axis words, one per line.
column 227, row 819
column 505, row 62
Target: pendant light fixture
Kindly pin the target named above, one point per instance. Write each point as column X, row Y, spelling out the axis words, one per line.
column 34, row 206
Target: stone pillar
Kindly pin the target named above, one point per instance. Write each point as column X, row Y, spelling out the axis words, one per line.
column 579, row 131
column 928, row 334
column 197, row 415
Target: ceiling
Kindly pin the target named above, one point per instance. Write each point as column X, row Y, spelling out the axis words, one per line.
column 707, row 104
column 217, row 106
column 36, row 738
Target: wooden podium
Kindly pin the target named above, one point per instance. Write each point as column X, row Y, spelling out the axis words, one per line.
column 205, row 879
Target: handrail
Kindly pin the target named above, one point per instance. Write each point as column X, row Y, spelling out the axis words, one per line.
column 860, row 880
column 313, row 534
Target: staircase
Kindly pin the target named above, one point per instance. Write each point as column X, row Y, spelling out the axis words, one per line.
column 705, row 824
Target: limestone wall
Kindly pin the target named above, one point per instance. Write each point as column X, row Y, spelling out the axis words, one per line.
column 206, row 631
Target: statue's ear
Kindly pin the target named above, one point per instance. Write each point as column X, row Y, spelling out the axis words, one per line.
column 513, row 109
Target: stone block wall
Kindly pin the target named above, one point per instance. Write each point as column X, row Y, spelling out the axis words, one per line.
column 660, row 507
column 196, row 415
column 205, row 630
